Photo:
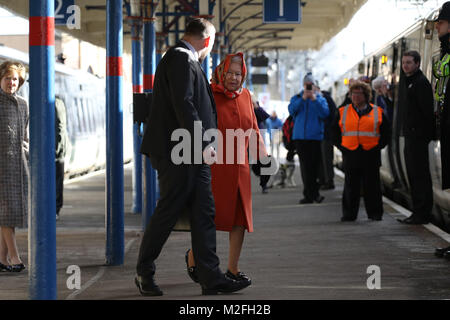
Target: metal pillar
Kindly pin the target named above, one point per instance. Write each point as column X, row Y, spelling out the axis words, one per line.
column 114, row 135
column 149, row 74
column 206, row 65
column 249, row 72
column 137, row 137
column 42, row 235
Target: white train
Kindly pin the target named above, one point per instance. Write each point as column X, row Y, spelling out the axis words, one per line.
column 386, row 61
column 84, row 96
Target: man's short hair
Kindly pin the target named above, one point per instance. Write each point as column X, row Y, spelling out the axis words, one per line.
column 414, row 54
column 200, row 28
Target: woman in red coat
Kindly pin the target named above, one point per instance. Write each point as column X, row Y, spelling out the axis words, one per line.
column 231, row 183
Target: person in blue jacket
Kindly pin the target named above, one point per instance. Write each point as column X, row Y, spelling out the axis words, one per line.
column 274, row 126
column 309, row 110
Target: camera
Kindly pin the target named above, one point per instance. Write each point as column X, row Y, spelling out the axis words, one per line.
column 309, row 87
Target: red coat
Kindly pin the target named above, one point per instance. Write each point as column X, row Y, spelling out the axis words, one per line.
column 227, row 179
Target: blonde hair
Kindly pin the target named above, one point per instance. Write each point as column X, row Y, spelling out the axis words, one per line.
column 8, row 67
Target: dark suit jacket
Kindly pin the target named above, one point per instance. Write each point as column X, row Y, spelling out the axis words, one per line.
column 181, row 95
column 418, row 119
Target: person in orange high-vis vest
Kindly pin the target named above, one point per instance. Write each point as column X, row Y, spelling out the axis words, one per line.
column 360, row 130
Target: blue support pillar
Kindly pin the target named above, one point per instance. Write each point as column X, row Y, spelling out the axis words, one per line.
column 137, row 137
column 114, row 135
column 149, row 74
column 206, row 65
column 215, row 60
column 249, row 71
column 42, row 228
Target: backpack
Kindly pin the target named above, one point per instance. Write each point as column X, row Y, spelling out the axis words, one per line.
column 288, row 127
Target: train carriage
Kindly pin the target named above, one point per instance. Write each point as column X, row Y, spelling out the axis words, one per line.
column 84, row 96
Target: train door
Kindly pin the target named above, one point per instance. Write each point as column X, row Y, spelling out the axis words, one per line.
column 397, row 139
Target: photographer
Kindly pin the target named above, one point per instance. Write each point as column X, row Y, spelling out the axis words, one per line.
column 309, row 110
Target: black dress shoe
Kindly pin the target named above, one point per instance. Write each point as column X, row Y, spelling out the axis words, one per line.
column 4, row 268
column 192, row 271
column 147, row 286
column 305, row 201
column 240, row 276
column 439, row 252
column 319, row 199
column 414, row 220
column 227, row 285
column 16, row 267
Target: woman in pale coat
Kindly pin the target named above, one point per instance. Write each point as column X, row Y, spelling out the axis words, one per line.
column 13, row 164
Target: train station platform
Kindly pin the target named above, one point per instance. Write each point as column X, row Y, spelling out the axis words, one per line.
column 295, row 252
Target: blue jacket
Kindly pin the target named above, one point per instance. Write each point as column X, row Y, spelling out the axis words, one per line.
column 308, row 117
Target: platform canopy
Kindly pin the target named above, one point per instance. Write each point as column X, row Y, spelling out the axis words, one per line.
column 242, row 21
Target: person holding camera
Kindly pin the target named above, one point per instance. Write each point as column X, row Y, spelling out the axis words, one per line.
column 309, row 109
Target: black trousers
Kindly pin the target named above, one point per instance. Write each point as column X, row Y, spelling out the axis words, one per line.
column 59, row 166
column 418, row 171
column 369, row 175
column 326, row 172
column 181, row 187
column 309, row 153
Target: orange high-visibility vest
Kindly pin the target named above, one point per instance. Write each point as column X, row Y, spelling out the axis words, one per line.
column 364, row 130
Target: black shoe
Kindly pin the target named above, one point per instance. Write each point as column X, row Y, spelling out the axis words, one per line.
column 305, row 201
column 192, row 271
column 227, row 285
column 414, row 220
column 240, row 276
column 147, row 286
column 264, row 189
column 319, row 199
column 4, row 268
column 344, row 219
column 16, row 267
column 439, row 252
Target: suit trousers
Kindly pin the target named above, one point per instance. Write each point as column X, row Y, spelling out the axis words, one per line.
column 419, row 177
column 183, row 187
column 369, row 175
column 309, row 153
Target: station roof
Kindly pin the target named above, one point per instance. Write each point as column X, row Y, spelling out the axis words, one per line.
column 321, row 20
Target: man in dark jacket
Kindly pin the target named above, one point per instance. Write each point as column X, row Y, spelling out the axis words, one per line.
column 183, row 100
column 326, row 174
column 418, row 129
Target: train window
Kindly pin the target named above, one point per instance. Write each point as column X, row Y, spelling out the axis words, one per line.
column 72, row 120
column 91, row 115
column 79, row 111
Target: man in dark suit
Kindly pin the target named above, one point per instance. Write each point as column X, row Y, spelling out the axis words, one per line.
column 418, row 129
column 183, row 101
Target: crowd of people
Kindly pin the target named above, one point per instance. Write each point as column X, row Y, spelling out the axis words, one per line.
column 183, row 97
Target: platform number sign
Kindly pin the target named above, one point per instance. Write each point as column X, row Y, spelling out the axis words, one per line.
column 282, row 11
column 67, row 13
